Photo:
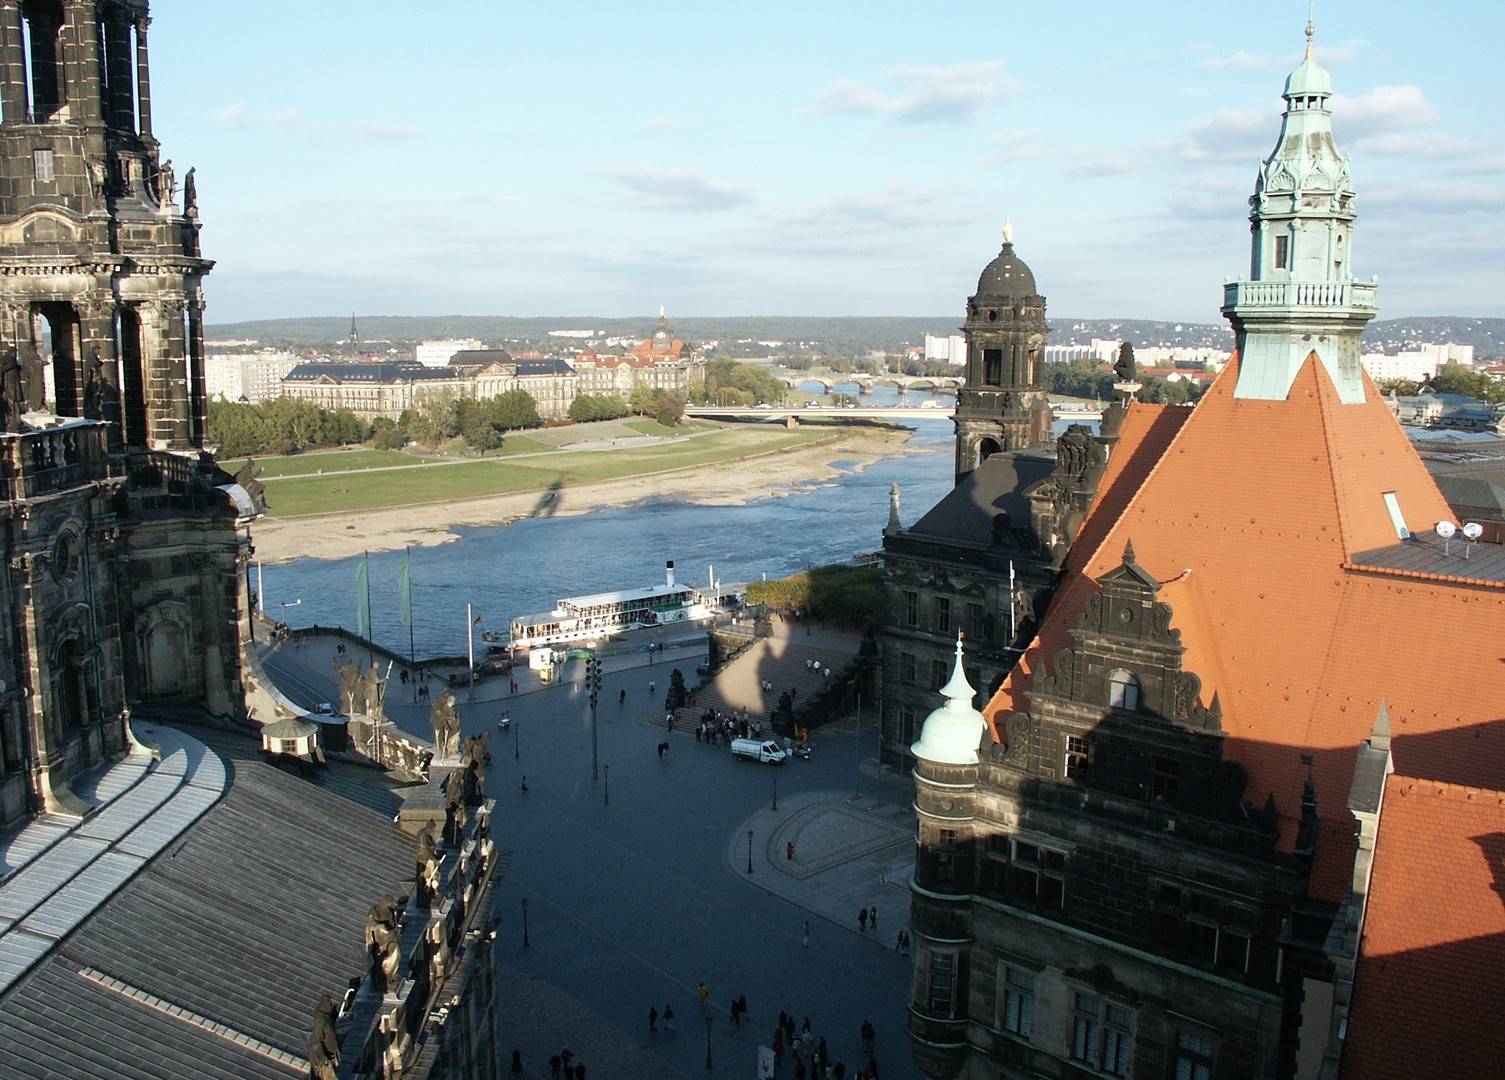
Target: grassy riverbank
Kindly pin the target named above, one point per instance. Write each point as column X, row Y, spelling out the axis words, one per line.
column 353, row 481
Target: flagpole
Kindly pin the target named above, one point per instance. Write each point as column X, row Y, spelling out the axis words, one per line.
column 370, row 652
column 407, row 554
column 470, row 639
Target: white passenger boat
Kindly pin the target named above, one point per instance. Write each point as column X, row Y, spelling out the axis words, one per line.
column 602, row 615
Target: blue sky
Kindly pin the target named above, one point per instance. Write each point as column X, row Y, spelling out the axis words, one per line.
column 488, row 157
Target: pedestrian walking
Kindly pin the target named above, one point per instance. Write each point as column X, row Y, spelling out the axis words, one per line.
column 872, row 916
column 525, row 785
column 513, row 682
column 736, row 1013
column 554, row 1063
column 622, row 697
column 652, row 686
column 805, row 935
column 862, row 917
column 653, row 1019
column 663, row 746
column 517, row 1062
column 789, row 851
column 704, row 993
column 867, row 1037
column 669, row 1018
column 579, row 1070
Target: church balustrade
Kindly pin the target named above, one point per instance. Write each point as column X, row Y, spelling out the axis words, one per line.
column 42, row 462
column 1280, row 294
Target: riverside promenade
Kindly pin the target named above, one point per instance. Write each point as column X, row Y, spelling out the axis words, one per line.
column 636, row 880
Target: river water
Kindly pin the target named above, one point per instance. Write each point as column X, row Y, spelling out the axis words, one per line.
column 527, row 566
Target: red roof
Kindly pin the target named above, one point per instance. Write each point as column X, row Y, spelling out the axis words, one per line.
column 1258, row 508
column 1433, row 965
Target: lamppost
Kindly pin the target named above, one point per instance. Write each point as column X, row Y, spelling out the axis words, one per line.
column 749, row 851
column 593, row 684
column 607, row 770
column 282, row 618
column 525, row 922
column 517, row 751
column 708, row 1022
column 775, row 789
column 857, row 764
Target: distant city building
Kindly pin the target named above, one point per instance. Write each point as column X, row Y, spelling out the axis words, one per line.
column 950, row 348
column 1417, row 364
column 373, row 390
column 661, row 362
column 576, row 334
column 438, row 353
column 251, row 377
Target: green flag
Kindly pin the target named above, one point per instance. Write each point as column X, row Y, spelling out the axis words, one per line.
column 405, row 588
column 363, row 600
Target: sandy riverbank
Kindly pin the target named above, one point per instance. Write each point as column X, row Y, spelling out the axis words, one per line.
column 338, row 536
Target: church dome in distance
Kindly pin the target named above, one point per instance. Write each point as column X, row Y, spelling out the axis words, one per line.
column 1006, row 277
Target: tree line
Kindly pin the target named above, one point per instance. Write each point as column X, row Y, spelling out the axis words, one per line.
column 291, row 425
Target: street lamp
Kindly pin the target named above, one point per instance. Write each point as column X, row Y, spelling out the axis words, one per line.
column 775, row 789
column 282, row 618
column 749, row 851
column 607, row 770
column 517, row 751
column 525, row 922
column 708, row 1022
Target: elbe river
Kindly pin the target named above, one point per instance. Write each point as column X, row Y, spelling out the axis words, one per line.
column 526, row 567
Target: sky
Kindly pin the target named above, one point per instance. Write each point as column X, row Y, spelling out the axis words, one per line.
column 489, row 157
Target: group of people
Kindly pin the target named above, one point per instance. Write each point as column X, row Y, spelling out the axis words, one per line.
column 868, row 917
column 812, row 1060
column 563, row 1066
column 718, row 729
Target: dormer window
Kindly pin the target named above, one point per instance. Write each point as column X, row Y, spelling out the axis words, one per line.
column 1282, row 252
column 1123, row 690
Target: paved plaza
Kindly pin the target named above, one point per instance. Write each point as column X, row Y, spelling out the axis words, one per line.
column 637, row 883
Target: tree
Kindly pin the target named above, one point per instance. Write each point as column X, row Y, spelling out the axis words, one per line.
column 386, row 435
column 668, row 408
column 641, row 400
column 588, row 407
column 514, row 409
column 238, row 429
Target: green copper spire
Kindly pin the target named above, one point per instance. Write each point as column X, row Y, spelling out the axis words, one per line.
column 1301, row 296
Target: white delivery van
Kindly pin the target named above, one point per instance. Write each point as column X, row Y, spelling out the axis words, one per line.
column 756, row 750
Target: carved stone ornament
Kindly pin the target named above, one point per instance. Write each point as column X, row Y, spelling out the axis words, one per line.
column 1018, row 727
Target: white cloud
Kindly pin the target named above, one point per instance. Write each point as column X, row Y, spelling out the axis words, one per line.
column 922, row 95
column 663, row 123
column 1230, row 135
column 1381, row 110
column 678, row 189
column 1239, row 61
column 291, row 125
column 863, row 222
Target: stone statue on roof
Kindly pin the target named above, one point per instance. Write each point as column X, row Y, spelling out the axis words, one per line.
column 254, row 488
column 1125, row 369
column 323, row 1043
column 381, row 941
column 352, row 689
column 426, row 875
column 455, row 812
column 446, row 723
column 373, row 689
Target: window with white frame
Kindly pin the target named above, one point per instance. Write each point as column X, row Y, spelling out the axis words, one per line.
column 1101, row 1034
column 1193, row 1056
column 942, row 998
column 42, row 164
column 1074, row 766
column 1018, row 1005
column 1123, row 690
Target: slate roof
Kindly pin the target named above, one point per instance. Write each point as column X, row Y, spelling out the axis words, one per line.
column 366, row 373
column 252, row 913
column 1258, row 509
column 965, row 514
column 1434, row 939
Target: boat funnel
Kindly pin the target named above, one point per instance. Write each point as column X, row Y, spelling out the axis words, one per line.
column 669, row 572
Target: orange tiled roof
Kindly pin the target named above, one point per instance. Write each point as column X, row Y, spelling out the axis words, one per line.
column 1264, row 502
column 1432, row 964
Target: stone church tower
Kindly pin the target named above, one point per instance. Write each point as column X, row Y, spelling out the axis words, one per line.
column 121, row 584
column 1001, row 404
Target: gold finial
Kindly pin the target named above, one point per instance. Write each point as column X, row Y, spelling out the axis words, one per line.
column 1310, row 26
column 1008, row 231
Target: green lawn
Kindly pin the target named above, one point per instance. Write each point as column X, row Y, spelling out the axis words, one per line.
column 302, row 494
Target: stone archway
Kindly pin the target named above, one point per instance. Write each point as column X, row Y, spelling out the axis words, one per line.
column 165, row 657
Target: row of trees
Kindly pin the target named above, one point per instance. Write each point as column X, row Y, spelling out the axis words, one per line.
column 728, row 382
column 851, row 595
column 1451, row 379
column 290, row 425
column 1080, row 378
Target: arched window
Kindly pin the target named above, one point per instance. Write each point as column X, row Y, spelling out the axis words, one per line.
column 1123, row 690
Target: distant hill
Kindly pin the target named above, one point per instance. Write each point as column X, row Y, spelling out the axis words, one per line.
column 833, row 334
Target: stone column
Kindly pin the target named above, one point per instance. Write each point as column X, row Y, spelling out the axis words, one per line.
column 119, row 109
column 143, row 78
column 12, row 64
column 101, row 366
column 198, row 407
column 166, row 377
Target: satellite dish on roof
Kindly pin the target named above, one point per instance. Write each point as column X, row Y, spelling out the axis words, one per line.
column 1446, row 529
column 1473, row 530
